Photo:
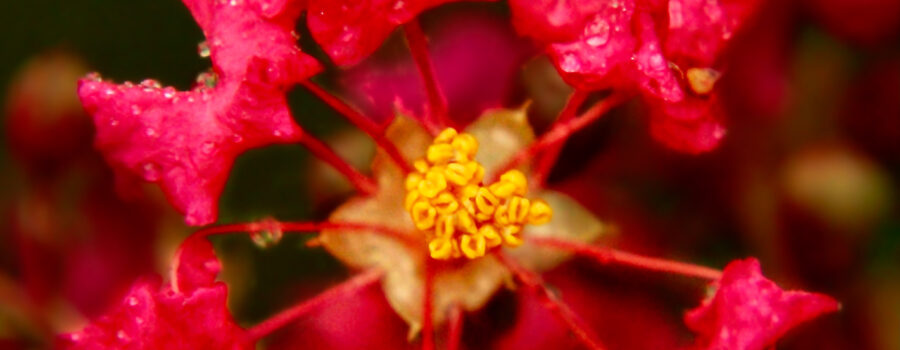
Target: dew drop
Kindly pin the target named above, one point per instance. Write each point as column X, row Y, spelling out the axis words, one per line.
column 169, row 92
column 348, row 35
column 110, row 92
column 399, row 5
column 203, row 49
column 597, row 32
column 569, row 63
column 94, row 76
column 139, row 320
column 132, row 301
column 135, row 110
column 113, row 122
column 150, row 132
column 128, row 84
column 151, row 171
column 277, row 133
column 208, row 147
column 121, row 335
column 238, row 138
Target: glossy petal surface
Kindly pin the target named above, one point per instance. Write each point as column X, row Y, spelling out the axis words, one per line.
column 749, row 311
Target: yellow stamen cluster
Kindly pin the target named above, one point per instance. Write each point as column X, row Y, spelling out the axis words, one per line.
column 445, row 198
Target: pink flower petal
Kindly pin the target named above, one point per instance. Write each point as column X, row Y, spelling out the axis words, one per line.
column 749, row 311
column 691, row 126
column 350, row 30
column 700, row 29
column 187, row 141
column 167, row 317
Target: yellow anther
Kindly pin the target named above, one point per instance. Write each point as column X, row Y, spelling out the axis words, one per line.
column 445, row 203
column 412, row 181
column 441, row 248
column 439, row 153
column 500, row 215
column 467, row 198
column 465, row 144
column 485, row 201
column 516, row 178
column 433, row 184
column 445, row 226
column 411, row 197
column 511, row 235
column 503, row 189
column 460, row 173
column 479, row 174
column 421, row 166
column 490, row 235
column 518, row 210
column 465, row 221
column 446, row 136
column 423, row 215
column 445, row 195
column 472, row 246
column 540, row 212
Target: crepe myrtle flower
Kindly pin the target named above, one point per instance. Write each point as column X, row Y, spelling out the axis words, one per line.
column 452, row 214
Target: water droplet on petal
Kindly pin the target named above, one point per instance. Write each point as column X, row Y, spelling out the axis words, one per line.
column 132, row 301
column 150, row 171
column 135, row 110
column 570, row 63
column 122, row 336
column 150, row 132
column 113, row 122
column 597, row 32
column 110, row 92
column 238, row 138
column 399, row 5
column 208, row 147
column 277, row 133
column 94, row 76
column 169, row 92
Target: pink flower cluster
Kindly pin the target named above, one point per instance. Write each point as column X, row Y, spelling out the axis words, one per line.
column 667, row 51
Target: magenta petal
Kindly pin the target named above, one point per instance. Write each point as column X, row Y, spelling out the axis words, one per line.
column 150, row 318
column 350, row 30
column 699, row 29
column 195, row 265
column 187, row 141
column 237, row 31
column 604, row 45
column 749, row 311
column 691, row 126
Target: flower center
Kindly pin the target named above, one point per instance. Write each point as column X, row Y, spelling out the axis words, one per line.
column 460, row 216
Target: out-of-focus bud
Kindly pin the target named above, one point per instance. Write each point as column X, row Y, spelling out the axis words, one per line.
column 838, row 186
column 45, row 123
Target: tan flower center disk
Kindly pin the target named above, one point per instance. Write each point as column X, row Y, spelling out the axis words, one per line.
column 460, row 216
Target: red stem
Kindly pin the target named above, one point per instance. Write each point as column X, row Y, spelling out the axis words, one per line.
column 305, row 226
column 454, row 333
column 351, row 286
column 546, row 161
column 418, row 47
column 362, row 122
column 552, row 303
column 561, row 131
column 362, row 183
column 427, row 305
column 611, row 256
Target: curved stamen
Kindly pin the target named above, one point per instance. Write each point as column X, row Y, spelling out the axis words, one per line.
column 363, row 123
column 283, row 318
column 552, row 303
column 546, row 160
column 562, row 131
column 611, row 256
column 362, row 183
column 418, row 47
